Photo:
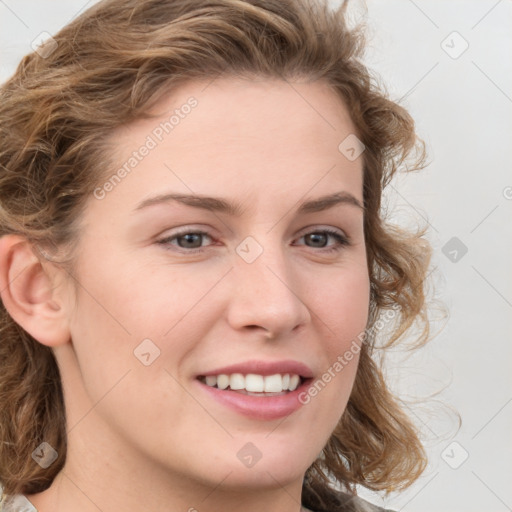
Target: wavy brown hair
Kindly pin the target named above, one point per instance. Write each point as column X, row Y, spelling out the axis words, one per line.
column 108, row 68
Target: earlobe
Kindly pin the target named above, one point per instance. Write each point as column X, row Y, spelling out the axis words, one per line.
column 28, row 292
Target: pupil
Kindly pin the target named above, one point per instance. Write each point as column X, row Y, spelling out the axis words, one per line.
column 315, row 238
column 189, row 238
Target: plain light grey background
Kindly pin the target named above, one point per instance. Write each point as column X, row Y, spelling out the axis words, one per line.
column 449, row 63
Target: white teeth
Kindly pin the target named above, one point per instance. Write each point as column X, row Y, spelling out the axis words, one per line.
column 211, row 380
column 273, row 383
column 222, row 381
column 237, row 381
column 253, row 383
column 294, row 382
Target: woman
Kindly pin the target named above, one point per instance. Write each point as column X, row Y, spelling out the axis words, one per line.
column 194, row 265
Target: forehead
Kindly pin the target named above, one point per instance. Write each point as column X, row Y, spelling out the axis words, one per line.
column 240, row 136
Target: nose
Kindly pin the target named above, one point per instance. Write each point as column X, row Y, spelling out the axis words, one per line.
column 267, row 296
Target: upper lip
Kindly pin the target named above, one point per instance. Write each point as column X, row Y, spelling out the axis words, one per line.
column 264, row 368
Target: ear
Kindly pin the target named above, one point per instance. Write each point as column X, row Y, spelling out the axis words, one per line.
column 29, row 294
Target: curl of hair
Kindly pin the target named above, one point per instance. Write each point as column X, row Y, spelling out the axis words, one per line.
column 109, row 67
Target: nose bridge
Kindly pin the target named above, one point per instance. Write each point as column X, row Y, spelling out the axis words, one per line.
column 266, row 292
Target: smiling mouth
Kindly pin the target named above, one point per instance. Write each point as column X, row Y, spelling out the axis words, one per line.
column 253, row 384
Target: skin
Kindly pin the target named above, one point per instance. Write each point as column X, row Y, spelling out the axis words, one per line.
column 148, row 437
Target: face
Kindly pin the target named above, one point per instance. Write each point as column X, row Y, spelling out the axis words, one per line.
column 188, row 309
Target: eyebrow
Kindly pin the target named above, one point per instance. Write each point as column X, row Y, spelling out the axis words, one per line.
column 217, row 204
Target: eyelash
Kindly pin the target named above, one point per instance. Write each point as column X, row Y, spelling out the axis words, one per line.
column 342, row 241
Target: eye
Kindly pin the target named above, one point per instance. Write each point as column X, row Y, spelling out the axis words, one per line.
column 321, row 237
column 189, row 240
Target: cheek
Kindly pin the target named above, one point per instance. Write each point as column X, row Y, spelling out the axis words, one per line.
column 120, row 309
column 152, row 300
column 341, row 309
column 341, row 303
column 102, row 345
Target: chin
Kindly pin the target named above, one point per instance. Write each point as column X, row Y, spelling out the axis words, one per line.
column 266, row 476
column 269, row 466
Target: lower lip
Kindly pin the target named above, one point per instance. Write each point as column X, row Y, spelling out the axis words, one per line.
column 258, row 407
